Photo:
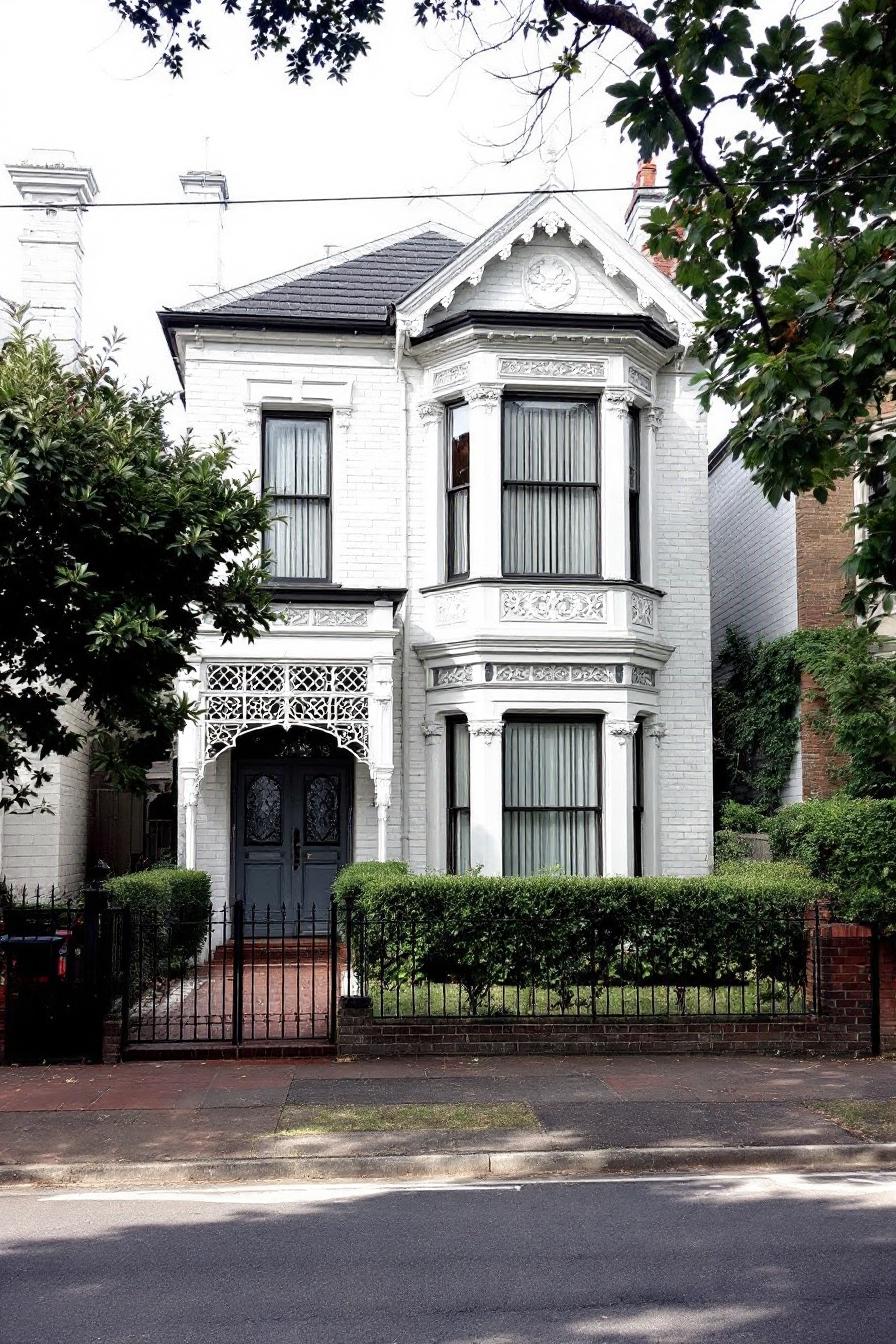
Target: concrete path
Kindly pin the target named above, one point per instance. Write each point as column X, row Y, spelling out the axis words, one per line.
column 746, row 1260
column 208, row 1111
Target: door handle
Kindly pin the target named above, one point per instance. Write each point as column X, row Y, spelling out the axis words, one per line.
column 296, row 849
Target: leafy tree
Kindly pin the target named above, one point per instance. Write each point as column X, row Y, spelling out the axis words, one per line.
column 785, row 231
column 114, row 545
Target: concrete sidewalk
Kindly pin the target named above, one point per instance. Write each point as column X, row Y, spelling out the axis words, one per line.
column 221, row 1120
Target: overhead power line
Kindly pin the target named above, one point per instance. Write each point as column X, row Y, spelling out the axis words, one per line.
column 189, row 203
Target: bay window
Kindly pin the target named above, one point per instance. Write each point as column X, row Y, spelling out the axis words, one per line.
column 458, row 487
column 296, row 476
column 552, row 805
column 458, row 744
column 551, row 501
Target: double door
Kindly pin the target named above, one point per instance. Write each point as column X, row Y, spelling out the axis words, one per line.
column 291, row 837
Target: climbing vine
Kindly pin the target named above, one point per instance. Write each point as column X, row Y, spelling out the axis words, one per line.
column 851, row 700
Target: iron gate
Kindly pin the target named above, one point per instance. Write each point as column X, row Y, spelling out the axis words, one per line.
column 242, row 975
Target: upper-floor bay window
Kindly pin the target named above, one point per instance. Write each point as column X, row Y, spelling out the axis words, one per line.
column 634, row 495
column 551, row 488
column 296, row 474
column 458, row 486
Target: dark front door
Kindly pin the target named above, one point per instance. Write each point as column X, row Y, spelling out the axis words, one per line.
column 291, row 833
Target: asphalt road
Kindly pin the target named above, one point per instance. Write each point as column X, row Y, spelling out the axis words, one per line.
column 764, row 1259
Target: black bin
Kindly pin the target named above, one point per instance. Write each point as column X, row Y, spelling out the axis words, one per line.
column 38, row 1020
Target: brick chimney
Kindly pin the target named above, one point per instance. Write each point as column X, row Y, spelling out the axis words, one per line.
column 52, row 246
column 203, row 236
column 646, row 196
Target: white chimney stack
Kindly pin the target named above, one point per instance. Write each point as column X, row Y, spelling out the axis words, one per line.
column 207, row 193
column 52, row 247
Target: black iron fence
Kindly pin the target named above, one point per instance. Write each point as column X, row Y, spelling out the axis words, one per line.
column 61, row 968
column 242, row 974
column 761, row 966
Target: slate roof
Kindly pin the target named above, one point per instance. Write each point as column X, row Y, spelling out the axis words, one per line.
column 359, row 290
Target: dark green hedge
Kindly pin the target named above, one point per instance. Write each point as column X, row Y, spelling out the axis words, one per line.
column 171, row 905
column 849, row 843
column 745, row 921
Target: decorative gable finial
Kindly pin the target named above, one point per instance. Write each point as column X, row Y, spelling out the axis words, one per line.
column 554, row 145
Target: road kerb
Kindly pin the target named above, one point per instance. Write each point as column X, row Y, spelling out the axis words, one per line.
column 451, row 1166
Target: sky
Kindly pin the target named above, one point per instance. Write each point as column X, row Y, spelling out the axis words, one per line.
column 413, row 117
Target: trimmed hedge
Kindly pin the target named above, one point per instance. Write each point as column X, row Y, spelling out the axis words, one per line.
column 744, row 922
column 742, row 818
column 849, row 843
column 172, row 904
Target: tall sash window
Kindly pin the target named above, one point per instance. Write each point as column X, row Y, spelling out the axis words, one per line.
column 458, row 521
column 296, row 474
column 552, row 796
column 634, row 495
column 458, row 740
column 551, row 501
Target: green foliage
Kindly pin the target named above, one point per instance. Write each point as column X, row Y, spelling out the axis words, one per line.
column 730, row 847
column 755, row 728
column 115, row 544
column 171, row 906
column 743, row 818
column 562, row 932
column 848, row 843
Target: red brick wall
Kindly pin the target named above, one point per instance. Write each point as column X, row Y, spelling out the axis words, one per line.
column 823, row 544
column 840, row 1026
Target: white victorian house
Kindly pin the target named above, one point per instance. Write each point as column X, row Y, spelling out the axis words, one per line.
column 490, row 572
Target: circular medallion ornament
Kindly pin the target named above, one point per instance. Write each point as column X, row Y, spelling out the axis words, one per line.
column 550, row 282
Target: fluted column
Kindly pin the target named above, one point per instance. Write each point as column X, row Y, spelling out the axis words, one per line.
column 486, row 796
column 614, row 407
column 619, row 797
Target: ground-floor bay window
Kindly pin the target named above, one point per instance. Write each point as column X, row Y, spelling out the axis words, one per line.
column 552, row 804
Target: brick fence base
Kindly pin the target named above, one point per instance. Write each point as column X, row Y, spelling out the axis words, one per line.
column 839, row 983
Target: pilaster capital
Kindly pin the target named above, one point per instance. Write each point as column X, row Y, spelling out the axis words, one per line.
column 432, row 730
column 253, row 415
column 382, row 786
column 342, row 416
column 430, row 412
column 487, row 730
column 623, row 730
column 618, row 401
column 657, row 731
column 486, row 395
column 655, row 417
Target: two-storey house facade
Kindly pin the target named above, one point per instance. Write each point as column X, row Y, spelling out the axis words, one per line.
column 490, row 570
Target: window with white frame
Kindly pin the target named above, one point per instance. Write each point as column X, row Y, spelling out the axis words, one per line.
column 634, row 495
column 458, row 762
column 458, row 492
column 552, row 795
column 296, row 476
column 551, row 488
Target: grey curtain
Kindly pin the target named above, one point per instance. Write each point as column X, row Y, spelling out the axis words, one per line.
column 297, row 475
column 551, row 796
column 459, row 796
column 551, row 504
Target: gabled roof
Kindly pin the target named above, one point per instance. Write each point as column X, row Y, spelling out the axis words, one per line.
column 550, row 211
column 357, row 287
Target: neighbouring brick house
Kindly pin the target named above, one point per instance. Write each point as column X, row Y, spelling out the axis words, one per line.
column 491, row 579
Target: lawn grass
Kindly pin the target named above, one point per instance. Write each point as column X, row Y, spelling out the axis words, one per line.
column 450, row 1000
column 378, row 1119
column 872, row 1120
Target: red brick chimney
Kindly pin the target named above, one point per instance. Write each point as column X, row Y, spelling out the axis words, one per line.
column 646, row 196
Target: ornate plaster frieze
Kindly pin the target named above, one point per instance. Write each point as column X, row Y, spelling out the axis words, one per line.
column 452, row 609
column 643, row 676
column 591, row 674
column 453, row 676
column 328, row 617
column 455, row 374
column 639, row 379
column 618, row 401
column 642, row 608
column 551, row 604
column 552, row 368
column 550, row 282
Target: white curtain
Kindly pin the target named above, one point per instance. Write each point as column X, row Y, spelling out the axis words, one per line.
column 550, row 507
column 551, row 796
column 459, row 795
column 458, row 532
column 297, row 476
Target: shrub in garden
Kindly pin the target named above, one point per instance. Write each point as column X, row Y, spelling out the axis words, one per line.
column 560, row 933
column 849, row 843
column 172, row 907
column 742, row 818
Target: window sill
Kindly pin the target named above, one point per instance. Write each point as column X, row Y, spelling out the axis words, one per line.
column 543, row 581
